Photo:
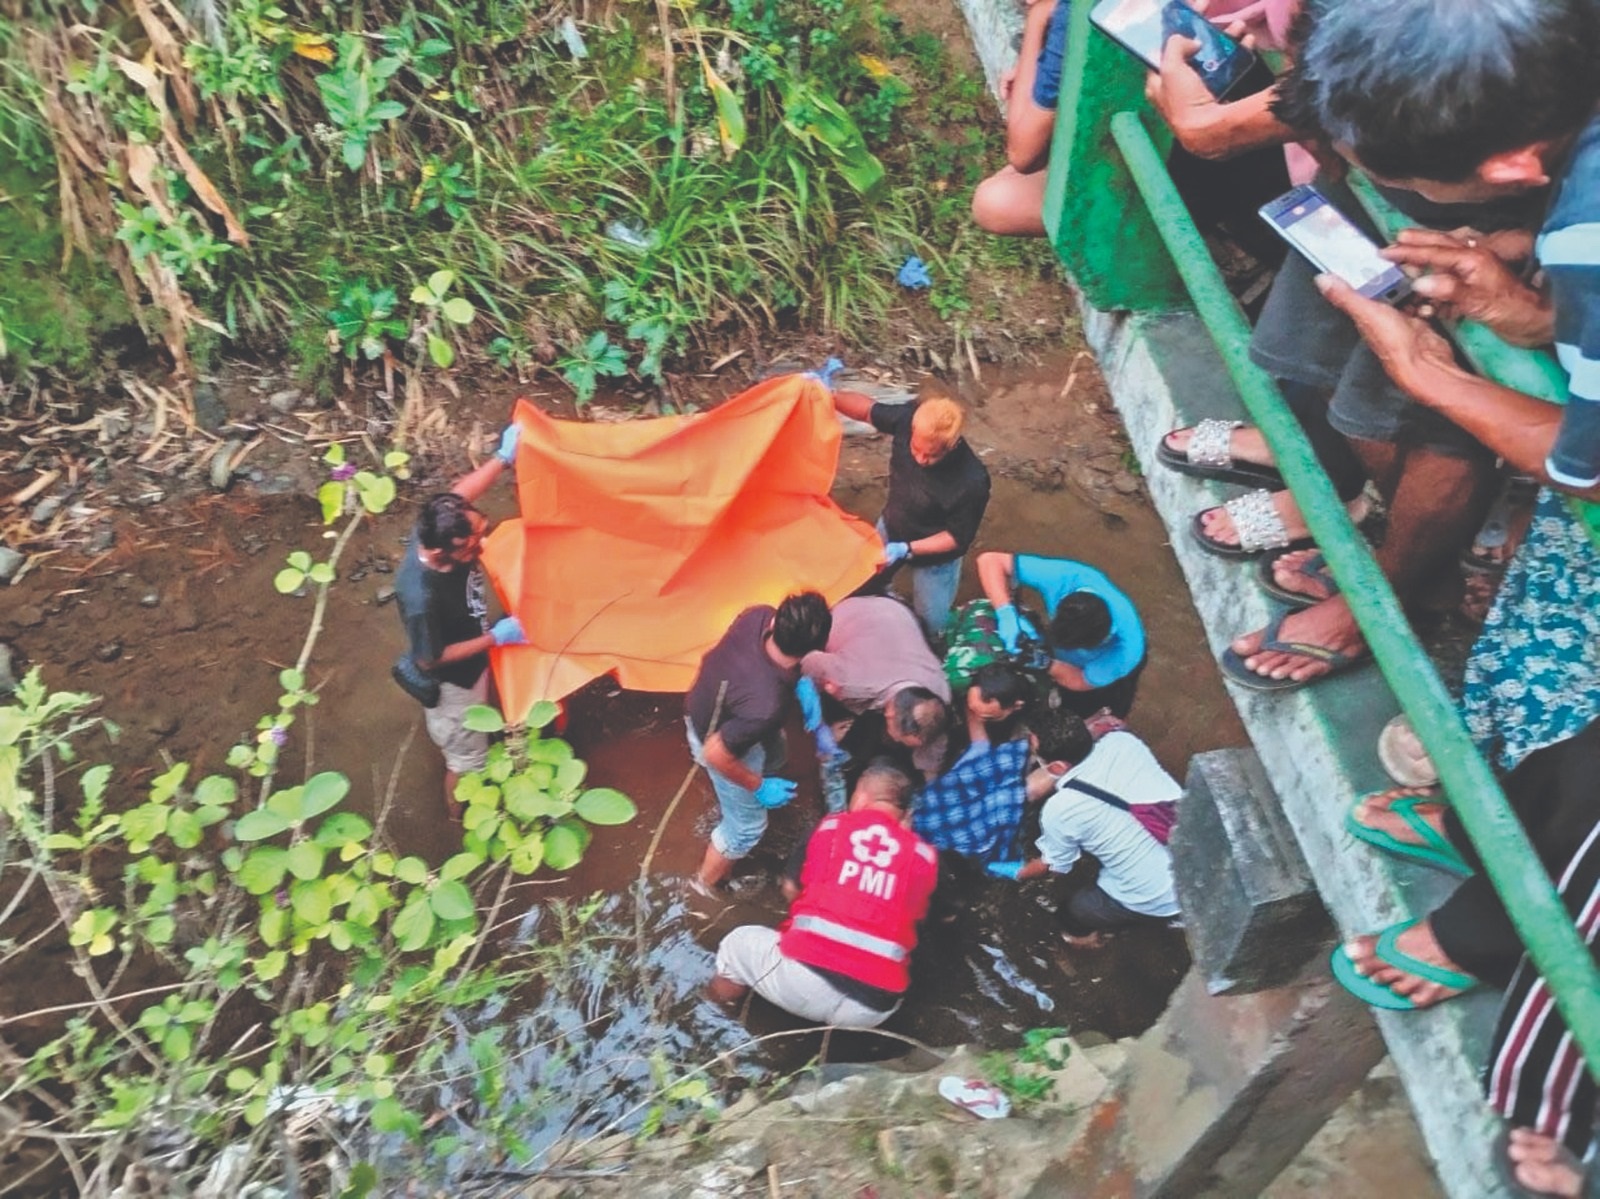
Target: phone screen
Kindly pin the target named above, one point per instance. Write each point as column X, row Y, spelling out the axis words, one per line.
column 1143, row 27
column 1334, row 243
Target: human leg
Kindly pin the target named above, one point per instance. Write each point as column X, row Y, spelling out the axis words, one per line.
column 464, row 750
column 743, row 819
column 1010, row 203
column 749, row 958
column 933, row 591
column 1090, row 910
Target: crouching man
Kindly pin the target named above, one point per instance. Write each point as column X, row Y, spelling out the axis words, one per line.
column 842, row 956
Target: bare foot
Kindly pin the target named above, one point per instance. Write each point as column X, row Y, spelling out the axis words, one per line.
column 1245, row 445
column 1218, row 525
column 1420, row 943
column 1377, row 813
column 1543, row 1164
column 1290, row 572
column 1328, row 624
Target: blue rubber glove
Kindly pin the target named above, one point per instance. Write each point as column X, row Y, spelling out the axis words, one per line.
column 774, row 793
column 824, row 374
column 1008, row 870
column 508, row 631
column 1009, row 625
column 507, row 452
column 827, row 744
column 895, row 551
column 810, row 704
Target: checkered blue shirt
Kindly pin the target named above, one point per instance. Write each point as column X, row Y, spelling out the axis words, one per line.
column 975, row 808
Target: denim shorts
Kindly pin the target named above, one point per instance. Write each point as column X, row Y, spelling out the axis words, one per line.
column 743, row 819
column 1303, row 338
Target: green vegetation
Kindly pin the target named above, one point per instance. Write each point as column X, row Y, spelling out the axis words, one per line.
column 605, row 197
column 242, row 952
column 1020, row 1074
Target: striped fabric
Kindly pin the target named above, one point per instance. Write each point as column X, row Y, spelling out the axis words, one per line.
column 1568, row 249
column 1537, row 1078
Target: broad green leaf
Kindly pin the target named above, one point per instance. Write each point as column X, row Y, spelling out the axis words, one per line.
column 411, row 870
column 335, row 454
column 94, row 782
column 459, row 866
column 274, row 923
column 388, row 110
column 730, row 111
column 185, row 829
column 481, row 718
column 570, row 775
column 165, row 785
column 378, row 495
column 216, row 791
column 323, row 791
column 160, row 930
column 542, row 713
column 321, row 574
column 239, row 1079
column 305, row 859
column 605, row 805
column 287, row 581
column 12, row 725
column 563, row 848
column 451, row 901
column 439, row 282
column 342, row 828
column 144, row 824
column 414, row 925
column 241, row 756
column 270, row 965
column 458, row 311
column 177, row 1043
column 291, row 679
column 263, row 869
column 300, row 560
column 331, row 497
column 551, row 749
column 388, row 1115
column 364, row 906
column 423, row 294
column 287, row 803
column 441, row 351
column 395, row 459
column 528, row 855
column 339, row 936
column 263, row 822
column 311, row 901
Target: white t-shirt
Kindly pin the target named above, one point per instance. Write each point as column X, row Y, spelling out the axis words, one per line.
column 1135, row 868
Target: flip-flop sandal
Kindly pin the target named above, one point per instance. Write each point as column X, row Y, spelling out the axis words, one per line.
column 1207, row 456
column 1435, row 851
column 1257, row 523
column 1380, row 996
column 1233, row 665
column 982, row 1099
column 1314, row 569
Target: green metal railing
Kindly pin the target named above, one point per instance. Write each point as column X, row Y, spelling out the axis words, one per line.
column 1117, row 221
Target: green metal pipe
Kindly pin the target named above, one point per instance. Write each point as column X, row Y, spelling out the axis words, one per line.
column 1517, row 874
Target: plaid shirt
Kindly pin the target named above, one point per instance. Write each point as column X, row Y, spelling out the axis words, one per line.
column 975, row 808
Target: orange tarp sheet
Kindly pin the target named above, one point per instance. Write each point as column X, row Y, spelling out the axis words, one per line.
column 640, row 541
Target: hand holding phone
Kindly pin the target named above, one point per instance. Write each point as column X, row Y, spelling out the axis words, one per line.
column 1335, row 244
column 1143, row 28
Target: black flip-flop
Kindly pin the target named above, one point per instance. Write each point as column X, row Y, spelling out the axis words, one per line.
column 1249, row 474
column 1233, row 664
column 1314, row 567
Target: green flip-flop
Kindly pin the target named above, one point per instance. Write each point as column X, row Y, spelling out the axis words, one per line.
column 1378, row 995
column 1435, row 850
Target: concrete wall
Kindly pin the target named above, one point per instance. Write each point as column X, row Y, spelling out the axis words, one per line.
column 1316, row 743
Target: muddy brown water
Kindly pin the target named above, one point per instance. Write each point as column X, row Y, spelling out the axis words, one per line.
column 181, row 632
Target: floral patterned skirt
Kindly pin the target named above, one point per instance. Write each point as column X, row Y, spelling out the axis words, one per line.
column 1533, row 677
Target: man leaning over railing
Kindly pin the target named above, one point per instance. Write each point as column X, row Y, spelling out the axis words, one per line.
column 1500, row 102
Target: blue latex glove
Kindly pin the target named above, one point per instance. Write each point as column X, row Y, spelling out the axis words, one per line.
column 508, row 631
column 895, row 551
column 827, row 745
column 507, row 452
column 913, row 274
column 824, row 374
column 1008, row 870
column 774, row 793
column 1009, row 625
column 810, row 704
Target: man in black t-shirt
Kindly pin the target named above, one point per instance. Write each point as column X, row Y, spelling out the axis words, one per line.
column 734, row 714
column 938, row 491
column 439, row 591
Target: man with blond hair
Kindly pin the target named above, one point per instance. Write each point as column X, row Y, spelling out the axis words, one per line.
column 938, row 491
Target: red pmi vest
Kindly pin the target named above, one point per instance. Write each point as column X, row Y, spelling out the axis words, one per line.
column 866, row 883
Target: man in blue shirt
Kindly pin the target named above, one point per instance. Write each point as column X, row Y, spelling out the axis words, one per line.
column 1095, row 637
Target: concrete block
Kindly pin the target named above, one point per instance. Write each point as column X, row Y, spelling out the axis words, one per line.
column 1250, row 905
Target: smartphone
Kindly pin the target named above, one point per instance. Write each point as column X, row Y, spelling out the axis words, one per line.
column 1142, row 27
column 1334, row 243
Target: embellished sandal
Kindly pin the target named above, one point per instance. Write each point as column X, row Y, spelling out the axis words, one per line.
column 1256, row 520
column 1208, row 456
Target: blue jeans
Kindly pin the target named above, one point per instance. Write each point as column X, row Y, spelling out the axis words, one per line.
column 933, row 590
column 743, row 819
